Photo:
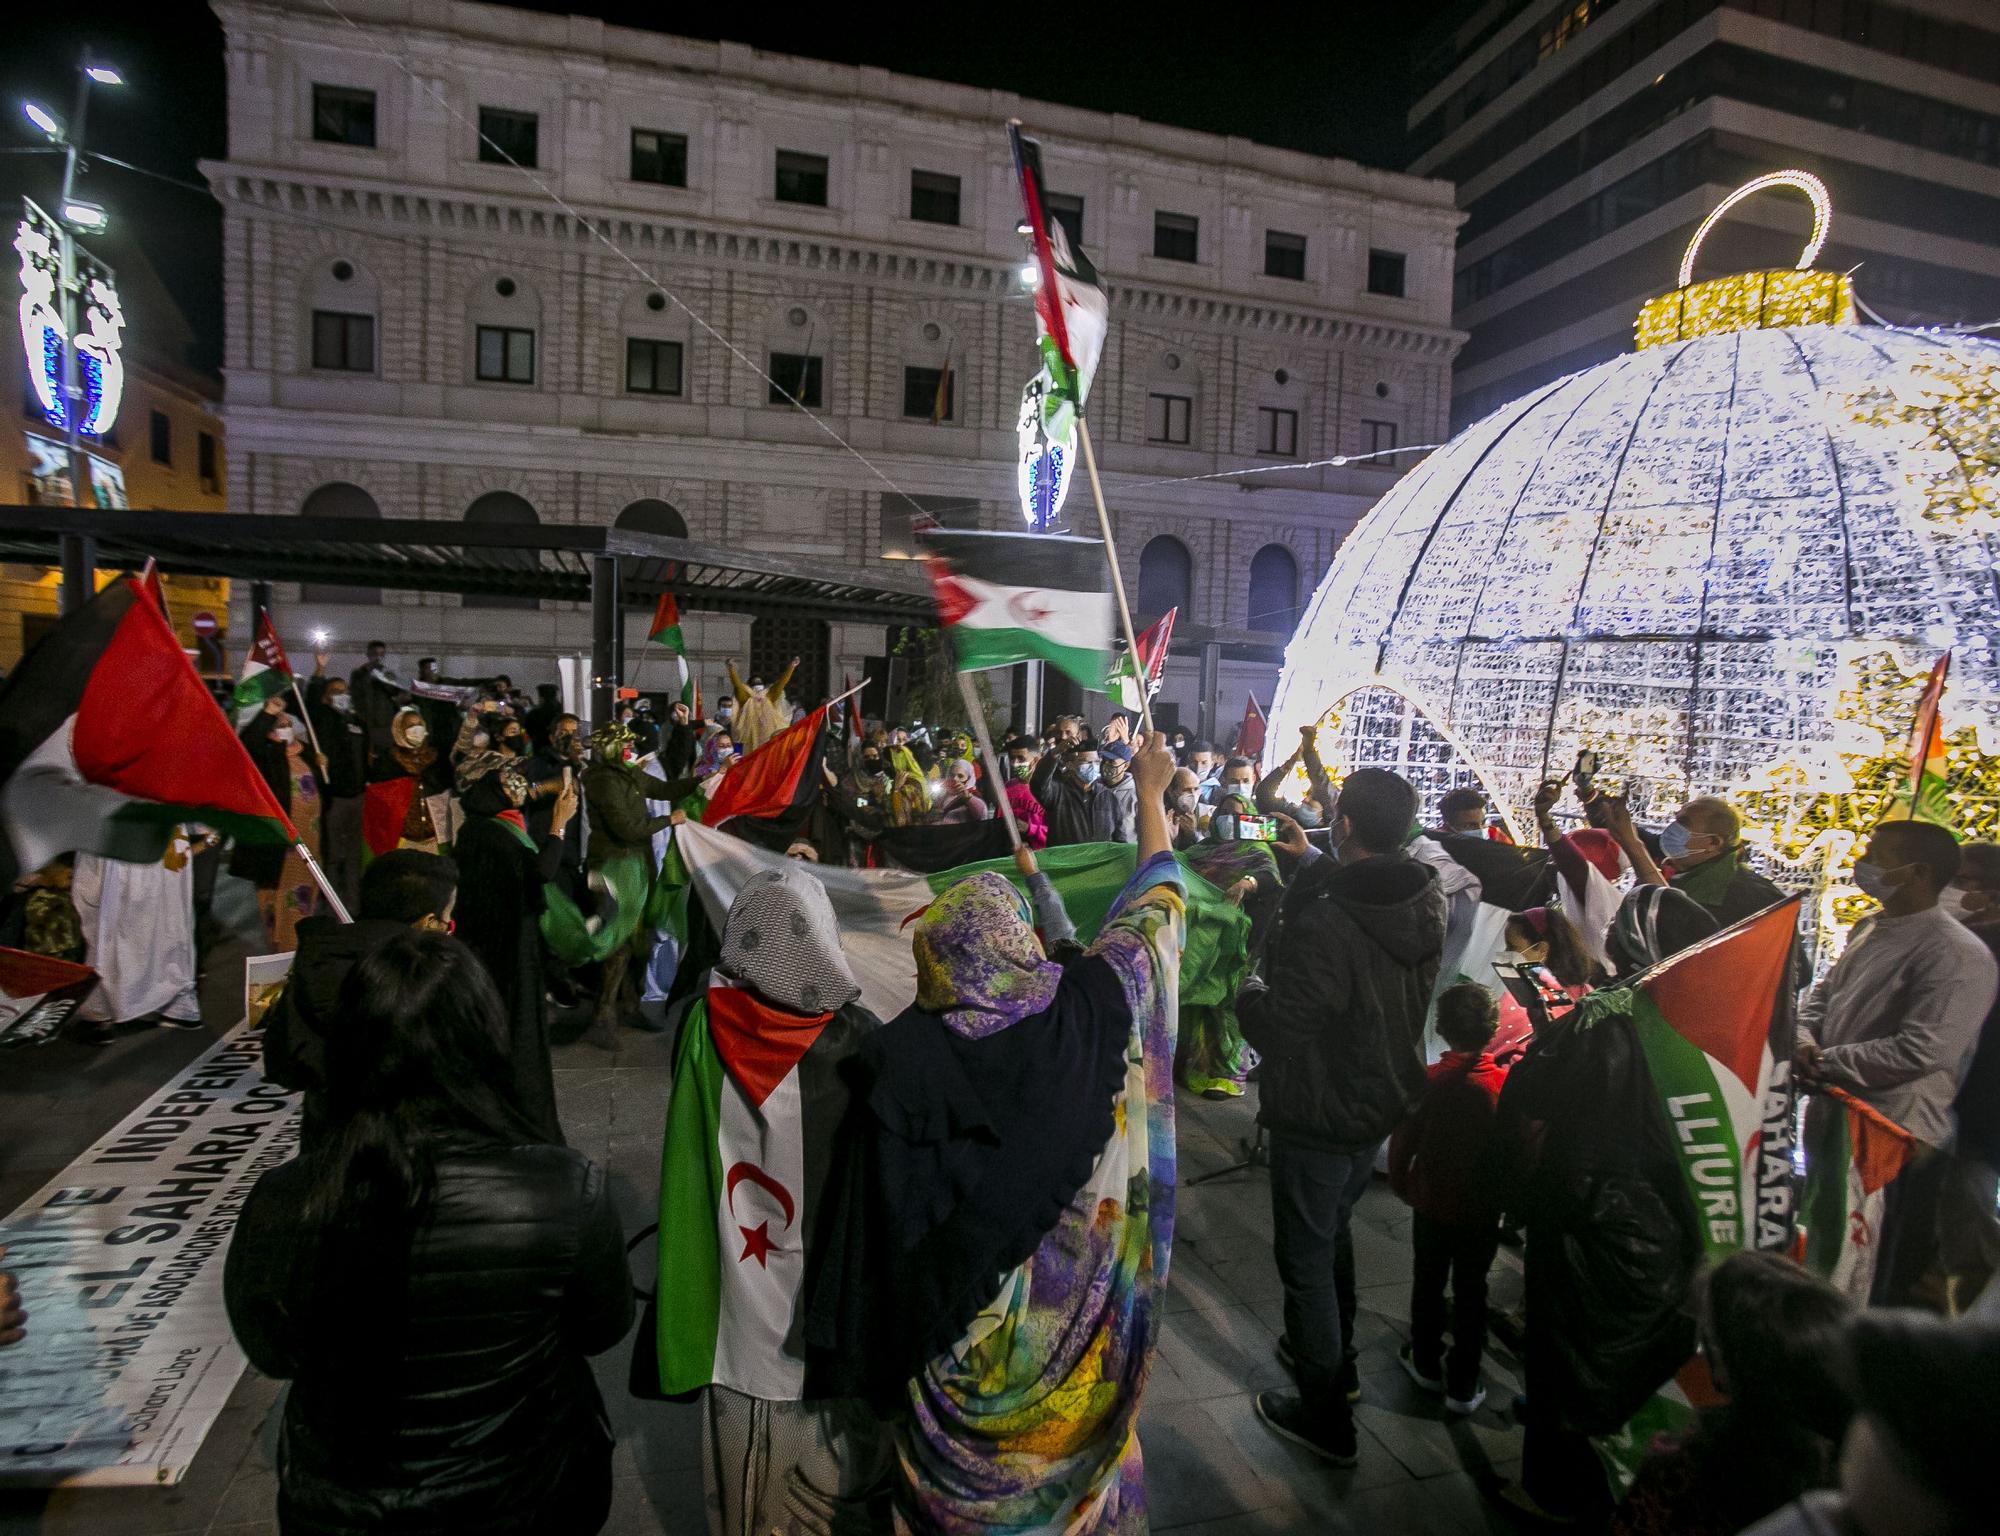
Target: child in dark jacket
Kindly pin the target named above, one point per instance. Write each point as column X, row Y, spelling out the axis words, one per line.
column 1445, row 1161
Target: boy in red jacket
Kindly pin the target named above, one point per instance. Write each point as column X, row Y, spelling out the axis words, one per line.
column 1445, row 1161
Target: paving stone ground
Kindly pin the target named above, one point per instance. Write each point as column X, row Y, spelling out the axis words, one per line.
column 1211, row 1468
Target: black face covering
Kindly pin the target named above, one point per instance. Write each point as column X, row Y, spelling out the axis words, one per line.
column 872, row 766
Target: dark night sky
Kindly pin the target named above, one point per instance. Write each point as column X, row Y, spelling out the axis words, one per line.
column 1331, row 79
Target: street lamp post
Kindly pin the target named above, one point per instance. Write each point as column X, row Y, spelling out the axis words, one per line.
column 78, row 551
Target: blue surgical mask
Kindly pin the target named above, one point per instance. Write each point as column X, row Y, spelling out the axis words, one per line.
column 1674, row 838
column 1087, row 772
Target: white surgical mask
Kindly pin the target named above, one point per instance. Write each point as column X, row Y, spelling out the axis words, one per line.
column 417, row 735
column 342, row 702
column 1674, row 839
column 282, row 733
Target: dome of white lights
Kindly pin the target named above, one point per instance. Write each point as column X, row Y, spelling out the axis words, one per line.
column 1684, row 558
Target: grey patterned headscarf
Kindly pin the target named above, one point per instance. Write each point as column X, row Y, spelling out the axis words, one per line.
column 783, row 940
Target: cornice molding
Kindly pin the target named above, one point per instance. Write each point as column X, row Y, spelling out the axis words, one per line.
column 485, row 217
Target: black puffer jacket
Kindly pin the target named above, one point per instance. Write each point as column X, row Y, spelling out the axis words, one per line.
column 460, row 1399
column 1341, row 1027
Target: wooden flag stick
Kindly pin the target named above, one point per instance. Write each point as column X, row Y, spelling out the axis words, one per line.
column 319, row 757
column 1117, row 580
column 985, row 740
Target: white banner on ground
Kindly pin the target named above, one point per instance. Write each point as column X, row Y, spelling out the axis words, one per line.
column 128, row 1356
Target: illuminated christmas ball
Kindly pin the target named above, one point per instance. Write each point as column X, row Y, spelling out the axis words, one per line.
column 1682, row 559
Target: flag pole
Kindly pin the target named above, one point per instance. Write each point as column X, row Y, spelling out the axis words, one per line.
column 325, row 885
column 319, row 757
column 985, row 739
column 1117, row 580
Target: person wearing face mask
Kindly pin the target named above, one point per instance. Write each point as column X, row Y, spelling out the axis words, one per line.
column 1207, row 765
column 1023, row 753
column 1078, row 806
column 412, row 756
column 759, row 715
column 1184, row 809
column 1896, row 1022
column 1212, row 1058
column 960, row 801
column 286, row 891
column 344, row 741
column 1116, row 776
column 1968, row 1233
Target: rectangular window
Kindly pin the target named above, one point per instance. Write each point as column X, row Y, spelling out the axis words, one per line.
column 1176, row 236
column 1385, row 273
column 1168, row 418
column 343, row 342
column 206, row 462
column 798, row 375
column 652, row 367
column 933, row 197
column 163, row 438
column 927, row 393
column 1284, row 255
column 1277, row 431
column 507, row 137
column 1067, row 211
column 1381, row 435
column 801, row 178
column 660, row 158
column 506, row 355
column 344, row 115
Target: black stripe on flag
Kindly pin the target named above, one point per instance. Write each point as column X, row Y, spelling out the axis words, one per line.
column 47, row 687
column 1048, row 562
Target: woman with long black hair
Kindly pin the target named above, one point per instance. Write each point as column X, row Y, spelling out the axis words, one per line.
column 430, row 1277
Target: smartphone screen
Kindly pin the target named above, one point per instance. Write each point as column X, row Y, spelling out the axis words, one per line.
column 1531, row 984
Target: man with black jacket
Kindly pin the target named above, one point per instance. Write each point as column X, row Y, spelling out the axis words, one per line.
column 1340, row 1027
column 404, row 888
column 343, row 745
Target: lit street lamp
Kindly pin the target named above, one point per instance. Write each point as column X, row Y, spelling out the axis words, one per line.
column 85, row 398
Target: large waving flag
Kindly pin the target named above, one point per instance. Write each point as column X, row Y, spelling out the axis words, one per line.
column 266, row 672
column 777, row 784
column 108, row 739
column 1852, row 1154
column 1929, row 776
column 1008, row 597
column 1071, row 309
column 1715, row 1022
column 1138, row 680
column 1250, row 734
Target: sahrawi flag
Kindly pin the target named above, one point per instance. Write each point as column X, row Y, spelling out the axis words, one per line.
column 1708, row 1019
column 108, row 739
column 266, row 672
column 666, row 630
column 1151, row 663
column 1929, row 777
column 735, row 1186
column 1852, row 1154
column 1008, row 597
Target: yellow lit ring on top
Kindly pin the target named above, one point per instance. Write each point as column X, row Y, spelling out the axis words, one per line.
column 1804, row 181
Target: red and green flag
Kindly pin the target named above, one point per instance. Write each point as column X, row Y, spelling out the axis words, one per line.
column 266, row 672
column 1929, row 777
column 109, row 739
column 1008, row 597
column 1853, row 1152
column 666, row 628
column 1709, row 1020
column 1139, row 680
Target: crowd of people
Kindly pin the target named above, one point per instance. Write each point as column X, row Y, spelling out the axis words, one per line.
column 987, row 1259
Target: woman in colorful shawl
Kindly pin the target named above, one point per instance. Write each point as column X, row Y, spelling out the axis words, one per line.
column 1215, row 1060
column 994, row 1274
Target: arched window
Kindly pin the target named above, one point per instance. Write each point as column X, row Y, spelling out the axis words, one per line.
column 1166, row 577
column 506, row 510
column 338, row 498
column 1274, row 590
column 651, row 515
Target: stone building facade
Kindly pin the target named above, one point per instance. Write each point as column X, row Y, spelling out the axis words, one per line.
column 419, row 328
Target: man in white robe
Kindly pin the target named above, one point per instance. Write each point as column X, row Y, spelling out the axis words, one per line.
column 138, row 924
